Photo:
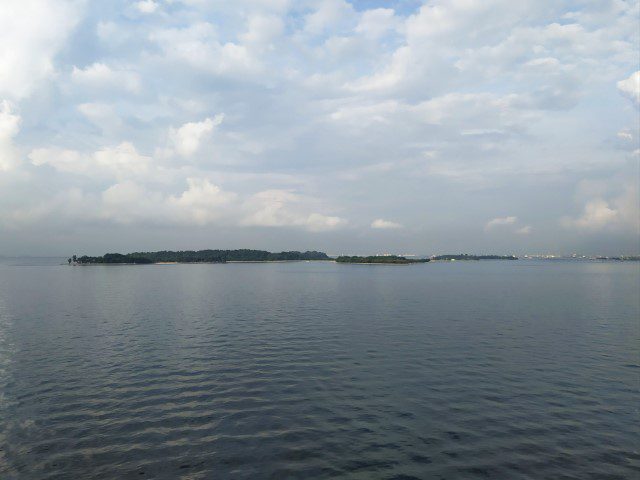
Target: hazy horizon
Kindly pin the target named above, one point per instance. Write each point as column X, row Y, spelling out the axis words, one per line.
column 340, row 126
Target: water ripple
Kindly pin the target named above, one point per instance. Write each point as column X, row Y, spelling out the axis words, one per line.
column 313, row 371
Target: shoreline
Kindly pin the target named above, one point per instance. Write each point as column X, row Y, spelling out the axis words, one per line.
column 244, row 261
column 194, row 263
column 379, row 263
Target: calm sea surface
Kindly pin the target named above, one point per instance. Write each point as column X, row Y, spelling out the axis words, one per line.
column 507, row 370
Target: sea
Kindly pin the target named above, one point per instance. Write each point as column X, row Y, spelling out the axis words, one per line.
column 522, row 369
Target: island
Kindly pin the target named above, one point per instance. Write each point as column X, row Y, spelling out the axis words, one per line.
column 200, row 256
column 248, row 255
column 465, row 256
column 381, row 260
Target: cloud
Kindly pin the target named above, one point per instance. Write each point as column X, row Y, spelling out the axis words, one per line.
column 526, row 230
column 67, row 205
column 61, row 159
column 317, row 222
column 503, row 222
column 99, row 76
column 146, row 6
column 448, row 44
column 262, row 31
column 377, row 22
column 493, row 112
column 121, row 161
column 281, row 208
column 32, row 32
column 202, row 201
column 625, row 135
column 127, row 202
column 113, row 34
column 500, row 221
column 201, row 204
column 630, row 87
column 9, row 128
column 102, row 115
column 186, row 140
column 329, row 15
column 199, row 47
column 618, row 213
column 597, row 214
column 384, row 224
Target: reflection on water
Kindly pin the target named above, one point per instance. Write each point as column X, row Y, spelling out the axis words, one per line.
column 316, row 370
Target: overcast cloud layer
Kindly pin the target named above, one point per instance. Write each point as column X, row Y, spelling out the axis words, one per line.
column 350, row 127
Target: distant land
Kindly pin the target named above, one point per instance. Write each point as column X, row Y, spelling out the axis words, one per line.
column 200, row 256
column 465, row 256
column 575, row 256
column 380, row 259
column 248, row 255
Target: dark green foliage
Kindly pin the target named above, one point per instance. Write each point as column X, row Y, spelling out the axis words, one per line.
column 115, row 258
column 386, row 259
column 465, row 256
column 203, row 256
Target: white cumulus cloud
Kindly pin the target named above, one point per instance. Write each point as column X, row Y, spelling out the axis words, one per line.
column 630, row 87
column 32, row 32
column 616, row 213
column 202, row 202
column 382, row 224
column 500, row 221
column 281, row 208
column 186, row 139
column 596, row 215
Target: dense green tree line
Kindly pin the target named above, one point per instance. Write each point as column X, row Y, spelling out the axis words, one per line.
column 113, row 258
column 201, row 256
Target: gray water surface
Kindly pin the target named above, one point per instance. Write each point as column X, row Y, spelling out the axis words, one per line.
column 506, row 370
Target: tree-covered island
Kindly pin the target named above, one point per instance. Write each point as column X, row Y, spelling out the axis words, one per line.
column 381, row 260
column 247, row 255
column 200, row 256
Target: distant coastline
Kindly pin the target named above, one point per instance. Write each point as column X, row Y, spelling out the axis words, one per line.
column 168, row 257
column 465, row 256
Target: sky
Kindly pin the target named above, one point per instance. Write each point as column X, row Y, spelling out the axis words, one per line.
column 479, row 126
